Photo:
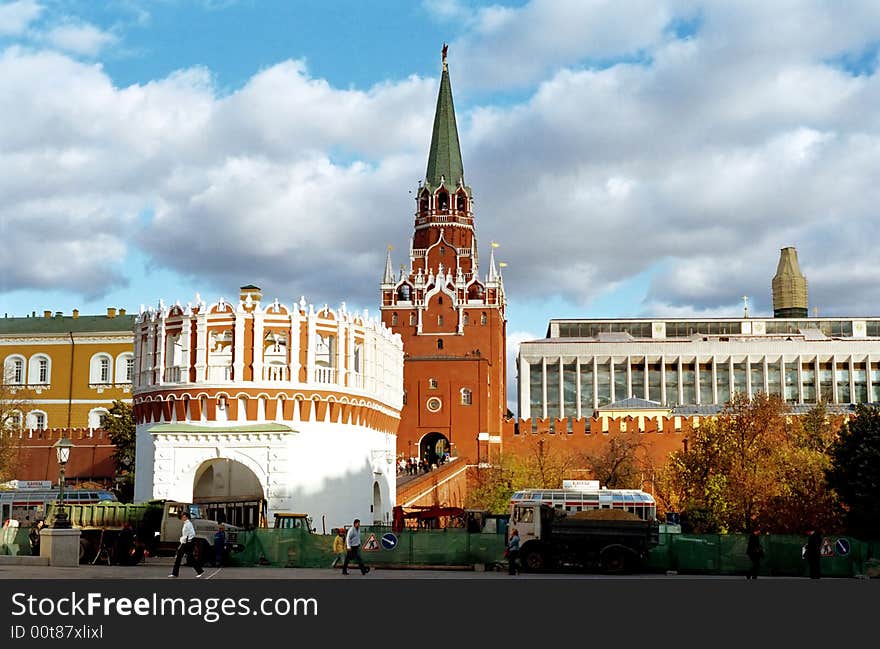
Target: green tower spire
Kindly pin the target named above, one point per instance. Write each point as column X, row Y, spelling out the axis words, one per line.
column 444, row 159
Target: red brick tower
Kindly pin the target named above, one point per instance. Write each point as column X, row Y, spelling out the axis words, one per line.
column 451, row 320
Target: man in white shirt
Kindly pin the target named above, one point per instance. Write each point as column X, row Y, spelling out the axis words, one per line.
column 187, row 540
column 353, row 547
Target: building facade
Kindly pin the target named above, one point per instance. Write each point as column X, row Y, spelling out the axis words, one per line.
column 289, row 404
column 61, row 375
column 451, row 320
column 696, row 365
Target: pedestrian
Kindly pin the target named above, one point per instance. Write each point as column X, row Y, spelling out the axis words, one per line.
column 353, row 548
column 34, row 537
column 755, row 552
column 513, row 552
column 338, row 548
column 219, row 545
column 814, row 547
column 123, row 546
column 187, row 539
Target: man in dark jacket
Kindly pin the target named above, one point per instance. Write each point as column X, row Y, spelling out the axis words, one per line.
column 755, row 552
column 814, row 547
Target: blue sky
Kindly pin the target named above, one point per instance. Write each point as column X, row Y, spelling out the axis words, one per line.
column 631, row 159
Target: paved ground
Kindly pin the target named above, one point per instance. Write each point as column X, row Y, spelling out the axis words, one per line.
column 158, row 568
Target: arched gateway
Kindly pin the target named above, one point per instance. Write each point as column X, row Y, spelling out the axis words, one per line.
column 254, row 403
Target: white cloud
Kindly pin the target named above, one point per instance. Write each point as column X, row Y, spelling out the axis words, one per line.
column 79, row 38
column 15, row 17
column 694, row 165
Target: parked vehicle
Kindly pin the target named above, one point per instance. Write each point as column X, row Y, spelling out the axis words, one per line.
column 291, row 521
column 155, row 527
column 610, row 541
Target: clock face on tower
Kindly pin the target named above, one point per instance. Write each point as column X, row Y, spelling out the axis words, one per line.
column 434, row 404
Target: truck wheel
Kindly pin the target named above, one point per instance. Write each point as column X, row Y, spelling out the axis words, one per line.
column 614, row 562
column 534, row 561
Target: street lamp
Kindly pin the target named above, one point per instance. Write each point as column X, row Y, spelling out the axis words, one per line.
column 62, row 452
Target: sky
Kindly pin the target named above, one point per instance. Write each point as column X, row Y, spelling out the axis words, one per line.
column 630, row 159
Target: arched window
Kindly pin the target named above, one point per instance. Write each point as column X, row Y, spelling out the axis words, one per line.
column 37, row 420
column 13, row 368
column 423, row 204
column 96, row 417
column 39, row 370
column 412, row 319
column 358, row 353
column 393, row 319
column 442, row 202
column 467, row 397
column 461, row 202
column 100, row 369
column 403, row 293
column 439, row 320
column 325, row 348
column 483, row 318
column 466, row 318
column 439, row 343
column 13, row 423
column 125, row 368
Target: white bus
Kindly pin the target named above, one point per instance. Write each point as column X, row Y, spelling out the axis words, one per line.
column 635, row 501
column 28, row 505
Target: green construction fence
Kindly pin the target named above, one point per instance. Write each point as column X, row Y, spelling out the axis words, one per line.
column 682, row 553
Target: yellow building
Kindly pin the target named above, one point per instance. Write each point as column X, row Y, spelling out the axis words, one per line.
column 66, row 371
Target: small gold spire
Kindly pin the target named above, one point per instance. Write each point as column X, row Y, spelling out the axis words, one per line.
column 445, row 49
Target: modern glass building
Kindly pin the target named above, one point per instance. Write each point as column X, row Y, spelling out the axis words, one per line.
column 696, row 365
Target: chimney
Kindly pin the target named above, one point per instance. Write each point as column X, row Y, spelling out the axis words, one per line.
column 121, row 312
column 251, row 291
column 76, row 313
column 111, row 312
column 789, row 287
column 47, row 314
column 58, row 314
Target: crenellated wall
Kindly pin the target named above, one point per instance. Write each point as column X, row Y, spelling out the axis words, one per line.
column 90, row 459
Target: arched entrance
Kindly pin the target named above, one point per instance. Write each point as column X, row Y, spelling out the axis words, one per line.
column 432, row 447
column 229, row 492
column 377, row 503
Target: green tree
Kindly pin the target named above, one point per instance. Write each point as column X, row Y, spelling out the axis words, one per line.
column 855, row 471
column 120, row 426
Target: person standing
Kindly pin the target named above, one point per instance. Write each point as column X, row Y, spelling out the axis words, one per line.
column 513, row 552
column 353, row 548
column 219, row 545
column 814, row 548
column 34, row 537
column 755, row 552
column 187, row 538
column 338, row 548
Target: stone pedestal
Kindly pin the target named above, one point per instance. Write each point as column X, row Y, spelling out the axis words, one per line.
column 60, row 546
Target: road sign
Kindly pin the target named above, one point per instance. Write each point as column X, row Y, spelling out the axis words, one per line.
column 827, row 549
column 841, row 547
column 371, row 544
column 389, row 541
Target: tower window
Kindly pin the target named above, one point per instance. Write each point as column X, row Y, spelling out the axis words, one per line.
column 393, row 319
column 440, row 300
column 403, row 293
column 483, row 318
column 442, row 251
column 467, row 397
column 412, row 319
column 439, row 343
column 443, row 201
column 440, row 320
column 462, row 203
column 466, row 319
column 432, row 384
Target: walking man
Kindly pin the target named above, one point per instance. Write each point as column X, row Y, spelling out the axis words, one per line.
column 755, row 552
column 187, row 537
column 814, row 549
column 353, row 548
column 338, row 548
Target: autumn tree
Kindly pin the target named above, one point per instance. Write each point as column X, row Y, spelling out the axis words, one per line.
column 537, row 464
column 120, row 426
column 620, row 462
column 854, row 471
column 725, row 478
column 13, row 404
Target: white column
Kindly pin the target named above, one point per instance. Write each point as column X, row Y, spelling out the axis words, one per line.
column 611, row 395
column 561, row 389
column 834, row 379
column 749, row 376
column 259, row 318
column 293, row 344
column 577, row 386
column 238, row 354
column 525, row 388
column 663, row 379
column 543, row 388
column 697, row 379
column 595, row 384
column 852, row 380
column 868, row 381
column 680, row 382
column 160, row 347
column 715, row 380
column 817, row 367
column 647, row 386
column 800, row 379
column 629, row 377
column 201, row 347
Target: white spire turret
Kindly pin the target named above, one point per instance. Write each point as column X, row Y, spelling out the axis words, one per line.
column 389, row 270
